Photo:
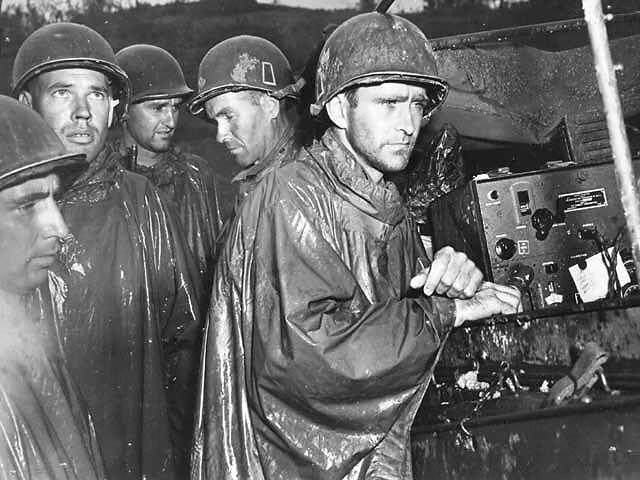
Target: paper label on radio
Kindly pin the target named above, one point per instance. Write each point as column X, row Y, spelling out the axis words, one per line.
column 584, row 200
column 592, row 283
column 523, row 247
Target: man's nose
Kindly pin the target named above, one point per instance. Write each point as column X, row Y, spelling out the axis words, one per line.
column 53, row 223
column 171, row 118
column 222, row 132
column 407, row 120
column 82, row 109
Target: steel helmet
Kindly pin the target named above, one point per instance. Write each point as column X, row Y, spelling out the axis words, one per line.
column 154, row 73
column 239, row 63
column 372, row 48
column 67, row 45
column 30, row 148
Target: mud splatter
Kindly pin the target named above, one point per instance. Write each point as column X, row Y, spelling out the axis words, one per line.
column 245, row 63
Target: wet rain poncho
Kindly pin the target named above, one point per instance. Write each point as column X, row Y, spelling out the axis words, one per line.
column 128, row 319
column 45, row 430
column 189, row 185
column 317, row 354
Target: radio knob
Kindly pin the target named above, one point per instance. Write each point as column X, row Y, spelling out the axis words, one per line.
column 505, row 248
column 520, row 276
column 542, row 221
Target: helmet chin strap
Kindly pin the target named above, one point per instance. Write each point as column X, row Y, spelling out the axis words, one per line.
column 113, row 103
column 383, row 6
column 292, row 90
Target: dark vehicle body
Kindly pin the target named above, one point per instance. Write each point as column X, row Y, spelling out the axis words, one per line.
column 554, row 392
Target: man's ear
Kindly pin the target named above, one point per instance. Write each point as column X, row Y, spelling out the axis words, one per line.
column 337, row 109
column 271, row 106
column 26, row 98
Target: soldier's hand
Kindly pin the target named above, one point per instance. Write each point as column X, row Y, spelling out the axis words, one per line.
column 451, row 273
column 490, row 299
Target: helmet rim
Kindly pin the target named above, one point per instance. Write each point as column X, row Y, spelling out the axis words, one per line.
column 181, row 93
column 196, row 104
column 375, row 78
column 68, row 167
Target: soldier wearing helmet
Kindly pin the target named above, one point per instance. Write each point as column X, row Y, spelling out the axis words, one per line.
column 44, row 423
column 126, row 290
column 338, row 322
column 186, row 180
column 246, row 87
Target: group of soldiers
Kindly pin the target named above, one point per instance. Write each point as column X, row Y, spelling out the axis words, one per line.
column 148, row 337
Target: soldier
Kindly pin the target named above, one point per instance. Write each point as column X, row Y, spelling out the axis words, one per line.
column 46, row 432
column 327, row 318
column 127, row 291
column 187, row 182
column 246, row 87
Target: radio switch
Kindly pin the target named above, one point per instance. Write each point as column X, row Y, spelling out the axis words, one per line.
column 524, row 204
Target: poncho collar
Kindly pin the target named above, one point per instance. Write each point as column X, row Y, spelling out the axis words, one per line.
column 96, row 182
column 380, row 200
column 162, row 172
column 272, row 159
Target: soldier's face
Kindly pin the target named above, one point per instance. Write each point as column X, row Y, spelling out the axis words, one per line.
column 76, row 103
column 383, row 124
column 244, row 126
column 30, row 226
column 152, row 124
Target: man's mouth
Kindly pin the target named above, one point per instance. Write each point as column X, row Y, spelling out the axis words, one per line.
column 233, row 148
column 400, row 146
column 82, row 137
column 45, row 260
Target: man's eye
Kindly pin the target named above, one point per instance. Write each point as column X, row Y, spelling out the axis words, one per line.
column 167, row 109
column 421, row 106
column 98, row 95
column 26, row 207
column 61, row 93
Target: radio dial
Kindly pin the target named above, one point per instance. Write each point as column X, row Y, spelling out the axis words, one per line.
column 505, row 248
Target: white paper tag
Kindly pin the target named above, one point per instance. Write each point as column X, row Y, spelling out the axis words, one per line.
column 592, row 282
column 553, row 298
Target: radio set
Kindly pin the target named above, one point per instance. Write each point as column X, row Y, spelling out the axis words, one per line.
column 559, row 234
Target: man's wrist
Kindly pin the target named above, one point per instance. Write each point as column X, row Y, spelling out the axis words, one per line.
column 445, row 312
column 458, row 319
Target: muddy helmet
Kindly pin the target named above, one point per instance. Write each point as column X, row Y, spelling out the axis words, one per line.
column 372, row 48
column 239, row 63
column 67, row 45
column 154, row 73
column 30, row 148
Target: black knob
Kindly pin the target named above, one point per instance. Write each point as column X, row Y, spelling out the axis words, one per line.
column 520, row 276
column 542, row 220
column 505, row 248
